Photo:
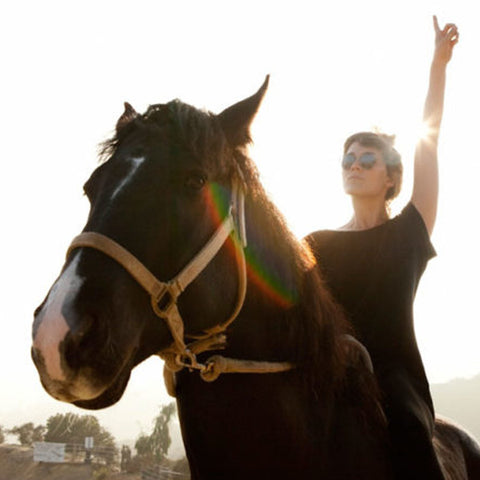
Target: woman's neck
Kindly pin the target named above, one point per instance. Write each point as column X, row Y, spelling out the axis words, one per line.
column 367, row 213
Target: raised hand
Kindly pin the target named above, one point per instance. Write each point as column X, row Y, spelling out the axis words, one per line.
column 425, row 181
column 445, row 40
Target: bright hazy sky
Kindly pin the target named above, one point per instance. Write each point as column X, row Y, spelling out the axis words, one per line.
column 336, row 67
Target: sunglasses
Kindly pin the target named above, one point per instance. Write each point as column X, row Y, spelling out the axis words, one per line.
column 366, row 161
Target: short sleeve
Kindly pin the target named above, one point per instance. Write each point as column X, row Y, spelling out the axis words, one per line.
column 413, row 227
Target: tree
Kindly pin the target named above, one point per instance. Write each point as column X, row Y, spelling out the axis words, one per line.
column 155, row 446
column 161, row 435
column 28, row 433
column 73, row 428
column 2, row 435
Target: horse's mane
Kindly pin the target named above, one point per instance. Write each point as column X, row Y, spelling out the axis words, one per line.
column 314, row 323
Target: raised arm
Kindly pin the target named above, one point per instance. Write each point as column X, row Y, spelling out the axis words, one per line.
column 425, row 180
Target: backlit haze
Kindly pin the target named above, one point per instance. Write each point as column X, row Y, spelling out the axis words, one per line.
column 335, row 69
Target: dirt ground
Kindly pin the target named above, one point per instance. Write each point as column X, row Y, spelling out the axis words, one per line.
column 16, row 463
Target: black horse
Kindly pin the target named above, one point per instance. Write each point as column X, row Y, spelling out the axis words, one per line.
column 177, row 192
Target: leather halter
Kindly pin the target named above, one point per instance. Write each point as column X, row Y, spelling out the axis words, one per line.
column 164, row 295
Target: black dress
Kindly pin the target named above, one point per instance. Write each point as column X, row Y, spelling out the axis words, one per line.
column 374, row 275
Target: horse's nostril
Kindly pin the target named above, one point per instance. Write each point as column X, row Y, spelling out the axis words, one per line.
column 85, row 326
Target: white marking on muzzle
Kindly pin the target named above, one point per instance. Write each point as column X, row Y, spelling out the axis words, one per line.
column 134, row 164
column 53, row 326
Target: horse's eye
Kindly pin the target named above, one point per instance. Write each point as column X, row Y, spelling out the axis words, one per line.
column 195, row 182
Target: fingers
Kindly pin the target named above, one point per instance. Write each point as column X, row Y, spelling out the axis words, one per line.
column 449, row 31
column 449, row 27
column 453, row 36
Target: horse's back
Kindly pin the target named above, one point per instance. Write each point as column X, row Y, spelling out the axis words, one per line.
column 457, row 450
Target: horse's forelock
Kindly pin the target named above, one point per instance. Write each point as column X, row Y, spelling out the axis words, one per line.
column 196, row 131
column 199, row 132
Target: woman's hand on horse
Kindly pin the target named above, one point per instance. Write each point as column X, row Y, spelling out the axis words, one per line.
column 445, row 40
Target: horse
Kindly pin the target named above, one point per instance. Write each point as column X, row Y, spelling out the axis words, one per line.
column 184, row 255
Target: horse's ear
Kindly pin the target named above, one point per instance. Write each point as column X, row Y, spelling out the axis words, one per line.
column 127, row 116
column 236, row 120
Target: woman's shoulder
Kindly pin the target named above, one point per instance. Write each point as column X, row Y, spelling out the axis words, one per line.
column 410, row 229
column 411, row 219
column 318, row 240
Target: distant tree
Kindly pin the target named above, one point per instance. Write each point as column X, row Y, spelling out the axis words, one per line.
column 38, row 433
column 73, row 428
column 28, row 433
column 2, row 435
column 161, row 434
column 144, row 446
column 154, row 447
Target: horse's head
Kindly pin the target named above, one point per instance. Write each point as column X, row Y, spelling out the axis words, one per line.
column 163, row 191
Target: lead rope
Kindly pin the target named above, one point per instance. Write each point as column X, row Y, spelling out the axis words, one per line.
column 218, row 364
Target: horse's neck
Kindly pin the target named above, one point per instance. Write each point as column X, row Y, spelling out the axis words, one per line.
column 273, row 285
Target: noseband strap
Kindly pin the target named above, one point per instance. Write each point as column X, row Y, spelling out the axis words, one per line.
column 164, row 295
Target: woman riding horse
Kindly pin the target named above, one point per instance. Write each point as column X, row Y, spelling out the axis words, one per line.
column 373, row 265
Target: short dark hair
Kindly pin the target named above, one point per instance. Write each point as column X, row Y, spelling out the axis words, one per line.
column 391, row 157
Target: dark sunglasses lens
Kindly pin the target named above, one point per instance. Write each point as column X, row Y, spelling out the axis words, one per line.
column 367, row 160
column 348, row 160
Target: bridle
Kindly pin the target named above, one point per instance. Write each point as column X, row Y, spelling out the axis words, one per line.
column 164, row 295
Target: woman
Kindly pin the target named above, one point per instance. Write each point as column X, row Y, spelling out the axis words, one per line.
column 373, row 265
